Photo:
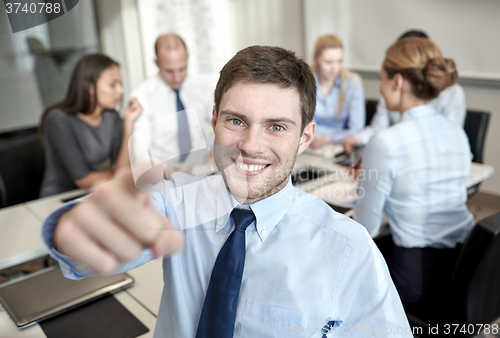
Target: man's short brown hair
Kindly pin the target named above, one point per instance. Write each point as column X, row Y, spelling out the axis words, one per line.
column 272, row 65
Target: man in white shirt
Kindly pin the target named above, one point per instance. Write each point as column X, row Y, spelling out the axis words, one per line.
column 160, row 132
column 291, row 267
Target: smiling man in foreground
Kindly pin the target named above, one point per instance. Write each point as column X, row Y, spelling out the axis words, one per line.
column 246, row 253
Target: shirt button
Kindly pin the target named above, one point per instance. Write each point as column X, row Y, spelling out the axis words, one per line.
column 220, row 223
column 264, row 232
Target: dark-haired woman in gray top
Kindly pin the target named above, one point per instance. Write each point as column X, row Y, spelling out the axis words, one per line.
column 84, row 137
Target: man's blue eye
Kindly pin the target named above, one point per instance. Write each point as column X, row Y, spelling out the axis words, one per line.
column 236, row 122
column 277, row 128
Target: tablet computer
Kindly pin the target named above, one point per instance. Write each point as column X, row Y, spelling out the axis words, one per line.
column 47, row 293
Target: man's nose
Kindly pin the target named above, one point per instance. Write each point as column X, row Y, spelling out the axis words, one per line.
column 177, row 77
column 252, row 142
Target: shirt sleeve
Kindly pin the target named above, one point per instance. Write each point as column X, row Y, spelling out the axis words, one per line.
column 375, row 185
column 369, row 302
column 380, row 121
column 141, row 137
column 60, row 138
column 356, row 111
column 455, row 108
column 73, row 269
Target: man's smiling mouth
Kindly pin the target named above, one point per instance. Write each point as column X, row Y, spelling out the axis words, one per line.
column 250, row 167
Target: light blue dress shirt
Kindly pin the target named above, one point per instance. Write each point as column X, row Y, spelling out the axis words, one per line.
column 353, row 113
column 416, row 172
column 305, row 265
column 450, row 103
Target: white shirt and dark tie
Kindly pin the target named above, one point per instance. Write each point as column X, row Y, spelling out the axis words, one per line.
column 156, row 130
column 307, row 271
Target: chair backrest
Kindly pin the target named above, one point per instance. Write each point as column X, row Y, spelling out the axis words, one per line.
column 371, row 109
column 22, row 163
column 476, row 280
column 476, row 126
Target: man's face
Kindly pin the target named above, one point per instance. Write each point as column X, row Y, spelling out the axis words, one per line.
column 173, row 66
column 330, row 63
column 257, row 138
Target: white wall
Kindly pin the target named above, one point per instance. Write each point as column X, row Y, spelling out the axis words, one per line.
column 465, row 30
column 120, row 39
column 264, row 22
column 204, row 26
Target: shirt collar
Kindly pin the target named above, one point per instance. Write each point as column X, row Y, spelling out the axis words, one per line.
column 268, row 212
column 225, row 202
column 335, row 84
column 418, row 112
column 159, row 78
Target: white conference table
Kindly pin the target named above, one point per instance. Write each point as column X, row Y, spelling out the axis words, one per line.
column 337, row 187
column 8, row 328
column 20, row 240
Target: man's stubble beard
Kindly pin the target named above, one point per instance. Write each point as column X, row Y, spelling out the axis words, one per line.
column 256, row 191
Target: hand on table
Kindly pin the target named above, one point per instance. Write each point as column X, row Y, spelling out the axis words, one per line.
column 355, row 169
column 349, row 143
column 114, row 224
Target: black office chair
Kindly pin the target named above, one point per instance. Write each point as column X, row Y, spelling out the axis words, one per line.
column 371, row 109
column 22, row 163
column 475, row 297
column 476, row 126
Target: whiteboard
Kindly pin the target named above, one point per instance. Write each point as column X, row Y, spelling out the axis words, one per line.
column 467, row 31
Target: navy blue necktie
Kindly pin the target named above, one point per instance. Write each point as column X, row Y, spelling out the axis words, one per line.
column 327, row 328
column 183, row 129
column 219, row 310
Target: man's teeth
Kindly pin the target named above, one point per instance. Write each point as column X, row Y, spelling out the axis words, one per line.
column 252, row 167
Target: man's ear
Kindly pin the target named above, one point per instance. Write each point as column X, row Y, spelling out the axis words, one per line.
column 157, row 63
column 214, row 118
column 307, row 137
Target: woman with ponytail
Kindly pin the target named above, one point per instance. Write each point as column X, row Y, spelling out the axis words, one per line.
column 85, row 139
column 340, row 103
column 416, row 171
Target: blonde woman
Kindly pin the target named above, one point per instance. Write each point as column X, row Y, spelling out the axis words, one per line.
column 340, row 102
column 419, row 168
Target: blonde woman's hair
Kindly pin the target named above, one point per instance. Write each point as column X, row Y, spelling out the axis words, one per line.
column 332, row 41
column 419, row 60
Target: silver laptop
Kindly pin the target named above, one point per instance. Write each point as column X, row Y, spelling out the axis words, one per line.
column 47, row 293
